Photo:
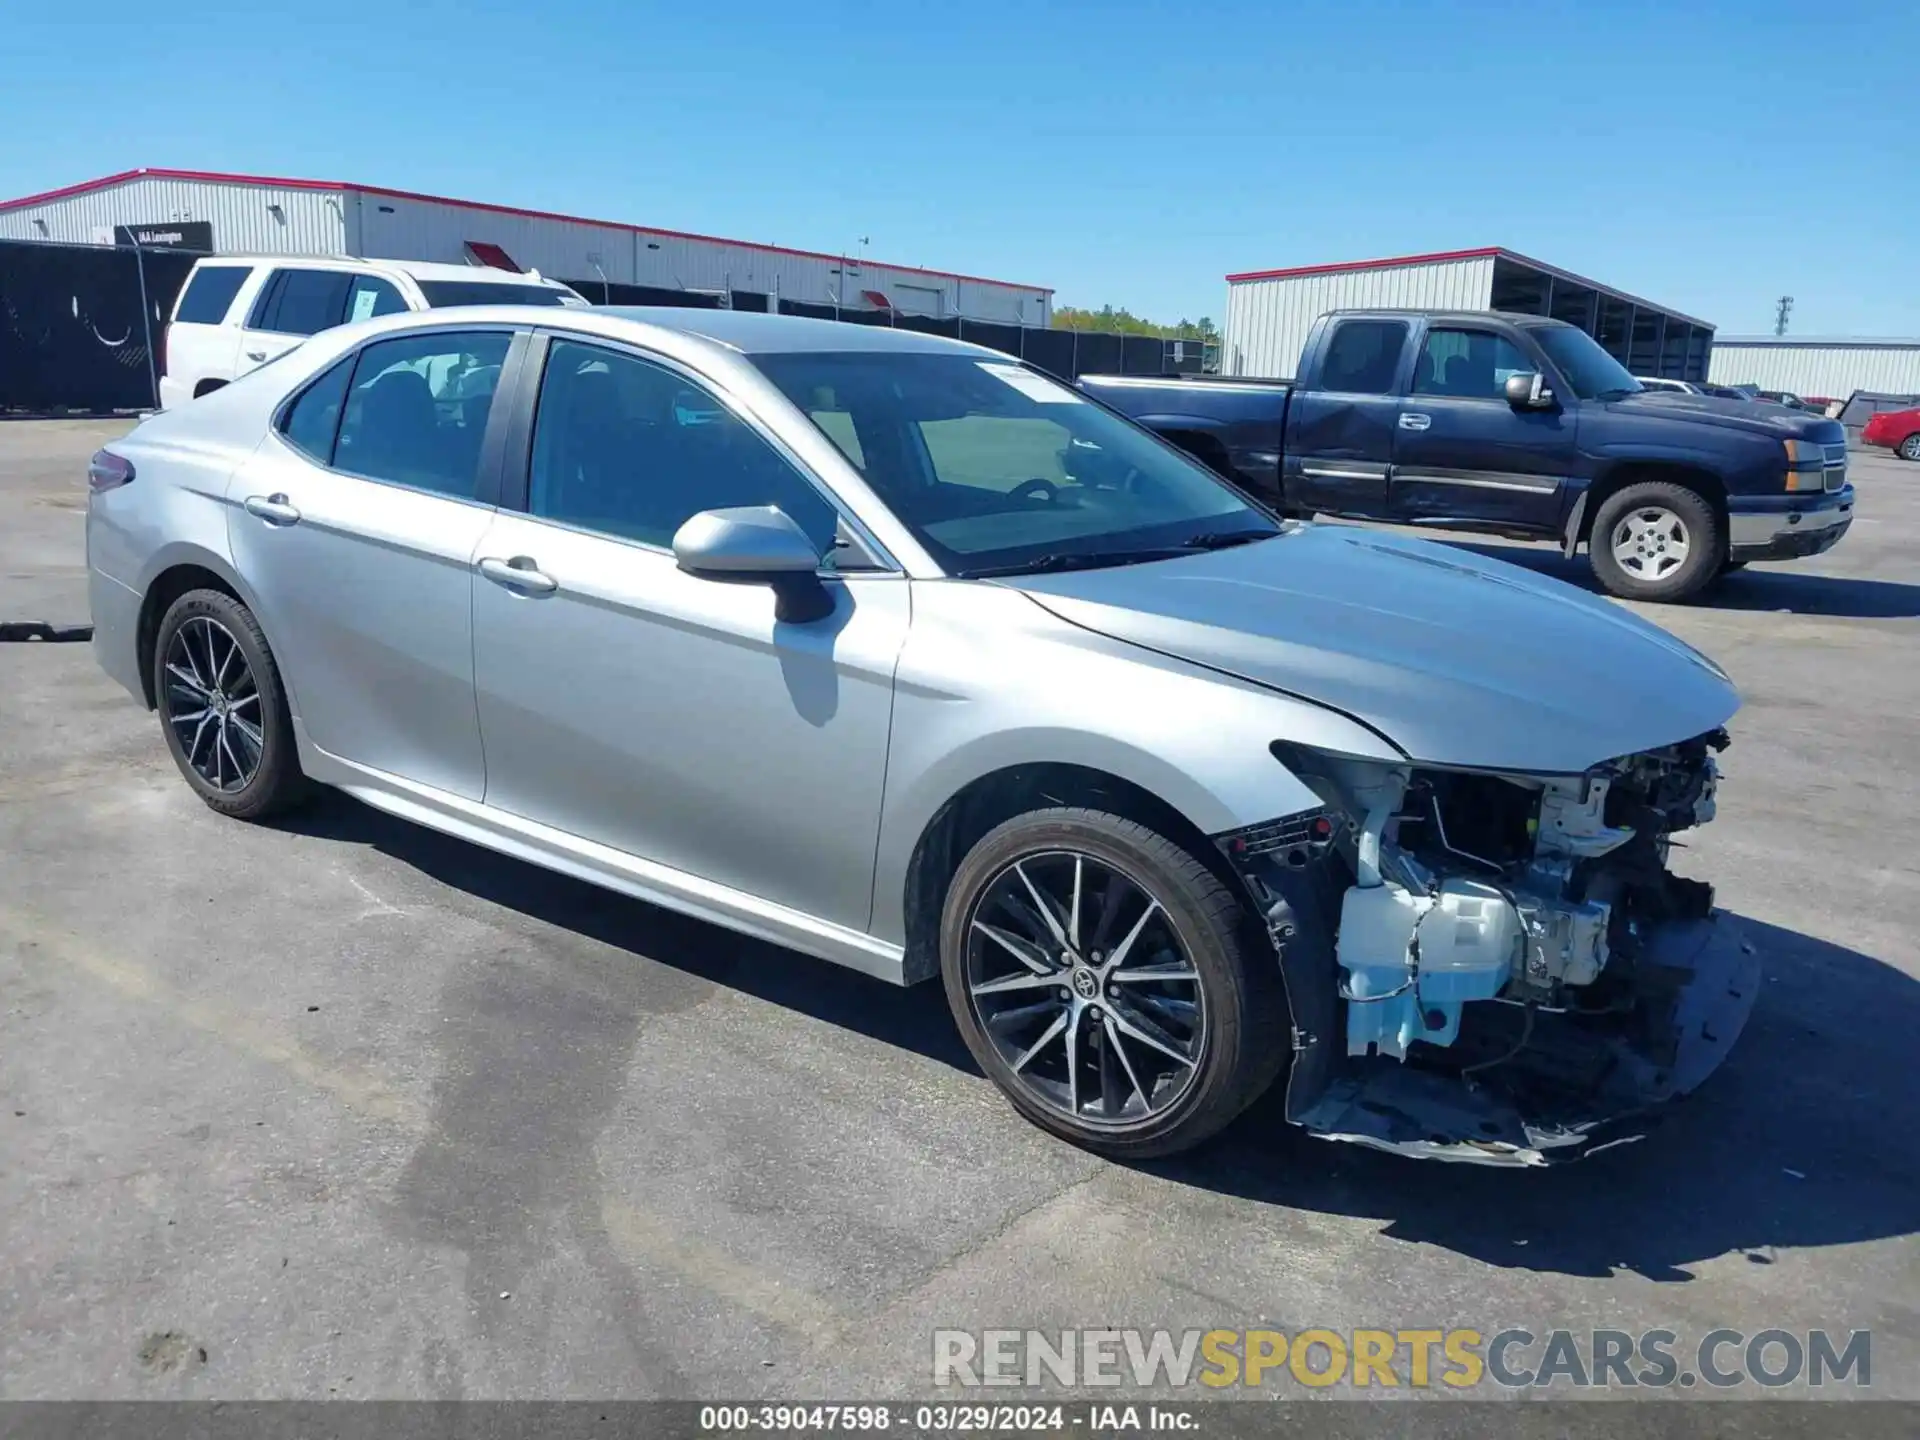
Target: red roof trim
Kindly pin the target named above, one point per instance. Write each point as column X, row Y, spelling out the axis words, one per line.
column 1388, row 263
column 220, row 177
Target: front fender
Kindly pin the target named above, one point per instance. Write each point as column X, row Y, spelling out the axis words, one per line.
column 1043, row 691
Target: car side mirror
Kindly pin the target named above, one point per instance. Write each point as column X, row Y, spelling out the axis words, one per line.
column 1528, row 391
column 756, row 544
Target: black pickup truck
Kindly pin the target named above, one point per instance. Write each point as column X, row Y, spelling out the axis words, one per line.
column 1520, row 426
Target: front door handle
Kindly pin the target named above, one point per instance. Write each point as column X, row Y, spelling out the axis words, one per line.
column 520, row 573
column 1414, row 420
column 256, row 354
column 274, row 509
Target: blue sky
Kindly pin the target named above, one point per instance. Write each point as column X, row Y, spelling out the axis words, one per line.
column 1707, row 156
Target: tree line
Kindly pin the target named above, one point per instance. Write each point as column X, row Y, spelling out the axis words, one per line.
column 1124, row 322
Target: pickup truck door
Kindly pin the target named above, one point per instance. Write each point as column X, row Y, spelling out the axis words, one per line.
column 1461, row 452
column 1340, row 421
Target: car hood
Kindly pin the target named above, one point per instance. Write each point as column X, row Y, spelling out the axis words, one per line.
column 1755, row 417
column 1456, row 659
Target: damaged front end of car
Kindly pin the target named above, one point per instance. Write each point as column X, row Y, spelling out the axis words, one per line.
column 1496, row 968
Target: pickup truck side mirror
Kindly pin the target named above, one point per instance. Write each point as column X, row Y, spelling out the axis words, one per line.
column 1528, row 391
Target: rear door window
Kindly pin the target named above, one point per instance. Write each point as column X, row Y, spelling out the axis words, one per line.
column 1363, row 357
column 209, row 294
column 312, row 420
column 369, row 296
column 417, row 412
column 302, row 302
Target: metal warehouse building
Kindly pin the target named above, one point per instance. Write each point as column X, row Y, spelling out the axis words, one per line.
column 1832, row 369
column 1270, row 311
column 233, row 214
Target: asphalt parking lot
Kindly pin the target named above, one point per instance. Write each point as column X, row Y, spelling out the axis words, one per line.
column 342, row 1108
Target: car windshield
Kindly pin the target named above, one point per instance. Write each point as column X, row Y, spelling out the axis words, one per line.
column 442, row 293
column 998, row 469
column 1591, row 371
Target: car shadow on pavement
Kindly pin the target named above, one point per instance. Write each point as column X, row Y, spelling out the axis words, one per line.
column 912, row 1019
column 1808, row 1137
column 1756, row 588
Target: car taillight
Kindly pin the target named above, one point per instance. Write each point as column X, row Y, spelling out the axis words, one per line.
column 108, row 471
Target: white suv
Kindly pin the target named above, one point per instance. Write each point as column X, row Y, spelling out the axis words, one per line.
column 236, row 312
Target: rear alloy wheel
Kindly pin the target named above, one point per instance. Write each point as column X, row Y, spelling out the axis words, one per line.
column 1656, row 541
column 1910, row 447
column 222, row 708
column 1100, row 975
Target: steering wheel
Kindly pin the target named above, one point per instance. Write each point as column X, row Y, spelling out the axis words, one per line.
column 1037, row 489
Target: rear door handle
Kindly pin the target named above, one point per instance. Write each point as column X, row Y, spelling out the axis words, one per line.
column 274, row 509
column 256, row 354
column 1414, row 420
column 520, row 573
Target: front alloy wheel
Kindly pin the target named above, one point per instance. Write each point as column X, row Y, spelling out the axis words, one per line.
column 1079, row 981
column 1109, row 982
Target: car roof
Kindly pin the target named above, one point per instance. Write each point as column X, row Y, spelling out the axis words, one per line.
column 417, row 269
column 739, row 332
column 755, row 332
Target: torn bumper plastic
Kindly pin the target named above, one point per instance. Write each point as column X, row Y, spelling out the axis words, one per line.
column 1706, row 975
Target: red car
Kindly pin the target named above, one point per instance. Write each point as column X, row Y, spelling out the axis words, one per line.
column 1897, row 430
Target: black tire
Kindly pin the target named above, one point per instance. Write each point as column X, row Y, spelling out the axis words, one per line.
column 1910, row 447
column 275, row 783
column 1243, row 1043
column 1704, row 536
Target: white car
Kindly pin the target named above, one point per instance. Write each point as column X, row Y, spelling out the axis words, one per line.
column 1657, row 382
column 237, row 312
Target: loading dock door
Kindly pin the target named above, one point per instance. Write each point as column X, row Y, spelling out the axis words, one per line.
column 919, row 300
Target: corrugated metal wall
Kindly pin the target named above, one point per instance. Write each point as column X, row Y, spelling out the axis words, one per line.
column 402, row 229
column 273, row 220
column 1268, row 320
column 305, row 222
column 1832, row 371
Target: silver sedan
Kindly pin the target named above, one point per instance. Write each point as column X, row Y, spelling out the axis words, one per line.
column 903, row 654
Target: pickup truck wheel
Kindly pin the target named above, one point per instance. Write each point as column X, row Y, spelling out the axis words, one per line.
column 1109, row 983
column 1656, row 541
column 1910, row 447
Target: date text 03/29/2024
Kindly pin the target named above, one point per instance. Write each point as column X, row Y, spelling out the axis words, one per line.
column 943, row 1418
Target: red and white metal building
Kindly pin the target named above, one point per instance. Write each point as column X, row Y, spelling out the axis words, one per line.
column 258, row 214
column 1270, row 311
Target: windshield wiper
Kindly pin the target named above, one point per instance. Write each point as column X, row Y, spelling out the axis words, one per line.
column 1082, row 560
column 1224, row 539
